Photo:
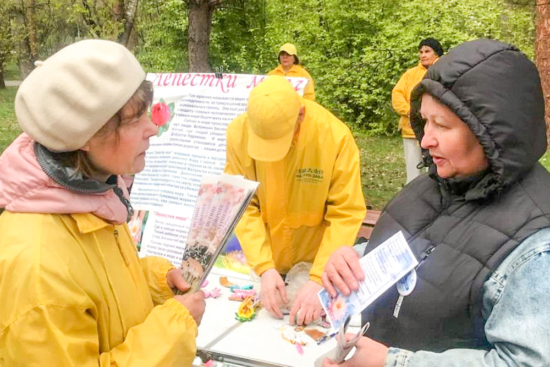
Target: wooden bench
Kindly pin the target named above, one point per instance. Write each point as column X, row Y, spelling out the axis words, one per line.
column 368, row 223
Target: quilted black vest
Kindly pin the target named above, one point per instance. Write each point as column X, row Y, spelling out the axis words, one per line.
column 467, row 240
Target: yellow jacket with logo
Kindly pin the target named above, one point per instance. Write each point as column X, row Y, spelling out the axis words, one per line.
column 73, row 291
column 308, row 204
column 299, row 72
column 401, row 98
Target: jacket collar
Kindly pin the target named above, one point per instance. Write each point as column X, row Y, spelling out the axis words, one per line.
column 73, row 180
column 87, row 223
column 32, row 180
column 69, row 178
column 293, row 67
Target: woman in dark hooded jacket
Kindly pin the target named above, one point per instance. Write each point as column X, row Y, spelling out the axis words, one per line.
column 481, row 223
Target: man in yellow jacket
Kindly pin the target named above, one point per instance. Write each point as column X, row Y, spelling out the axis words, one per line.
column 309, row 201
column 290, row 66
column 429, row 50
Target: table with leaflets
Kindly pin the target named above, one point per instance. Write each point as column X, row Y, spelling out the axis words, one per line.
column 254, row 343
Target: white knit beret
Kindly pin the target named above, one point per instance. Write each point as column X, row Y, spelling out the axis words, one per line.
column 71, row 95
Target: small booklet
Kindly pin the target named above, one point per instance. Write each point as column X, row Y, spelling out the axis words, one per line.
column 383, row 267
column 221, row 201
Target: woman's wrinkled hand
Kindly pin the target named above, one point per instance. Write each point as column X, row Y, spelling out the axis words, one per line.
column 194, row 303
column 176, row 282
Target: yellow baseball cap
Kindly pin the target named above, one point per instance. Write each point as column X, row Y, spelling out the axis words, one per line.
column 273, row 109
column 289, row 48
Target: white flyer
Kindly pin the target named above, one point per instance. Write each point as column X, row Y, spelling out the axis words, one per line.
column 383, row 267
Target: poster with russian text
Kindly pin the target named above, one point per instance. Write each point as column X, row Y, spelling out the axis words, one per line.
column 193, row 111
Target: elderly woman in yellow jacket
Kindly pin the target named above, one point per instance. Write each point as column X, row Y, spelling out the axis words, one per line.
column 429, row 50
column 290, row 66
column 73, row 290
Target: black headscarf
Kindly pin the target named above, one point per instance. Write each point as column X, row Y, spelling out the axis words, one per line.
column 433, row 44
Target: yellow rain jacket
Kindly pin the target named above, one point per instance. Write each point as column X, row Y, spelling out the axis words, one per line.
column 73, row 291
column 299, row 72
column 75, row 295
column 401, row 98
column 308, row 204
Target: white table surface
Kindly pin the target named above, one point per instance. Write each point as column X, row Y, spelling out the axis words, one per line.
column 257, row 340
column 219, row 316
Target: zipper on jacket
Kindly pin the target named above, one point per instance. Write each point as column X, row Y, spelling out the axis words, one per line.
column 126, row 202
column 120, row 248
column 424, row 255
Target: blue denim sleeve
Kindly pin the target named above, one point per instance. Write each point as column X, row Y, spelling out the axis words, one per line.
column 516, row 305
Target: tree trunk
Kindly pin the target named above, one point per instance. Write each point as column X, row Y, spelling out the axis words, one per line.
column 133, row 40
column 2, row 82
column 130, row 11
column 200, row 19
column 22, row 45
column 30, row 22
column 118, row 10
column 542, row 54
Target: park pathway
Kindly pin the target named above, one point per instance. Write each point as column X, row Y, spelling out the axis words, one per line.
column 13, row 83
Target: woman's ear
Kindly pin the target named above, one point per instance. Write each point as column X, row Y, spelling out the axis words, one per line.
column 85, row 147
column 302, row 113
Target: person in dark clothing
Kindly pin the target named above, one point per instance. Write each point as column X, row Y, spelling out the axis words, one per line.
column 481, row 223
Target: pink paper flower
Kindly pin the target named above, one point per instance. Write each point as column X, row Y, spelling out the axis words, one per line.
column 214, row 293
column 160, row 114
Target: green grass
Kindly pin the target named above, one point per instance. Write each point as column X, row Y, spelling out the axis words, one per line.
column 9, row 128
column 382, row 161
column 382, row 168
column 545, row 160
column 11, row 72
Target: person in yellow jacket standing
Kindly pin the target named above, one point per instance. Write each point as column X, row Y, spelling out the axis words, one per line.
column 73, row 291
column 290, row 66
column 309, row 202
column 429, row 50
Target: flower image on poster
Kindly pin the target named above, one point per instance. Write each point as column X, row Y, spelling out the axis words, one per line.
column 136, row 224
column 232, row 257
column 162, row 114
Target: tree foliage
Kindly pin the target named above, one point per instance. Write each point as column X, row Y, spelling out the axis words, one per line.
column 40, row 28
column 356, row 50
column 162, row 30
column 7, row 43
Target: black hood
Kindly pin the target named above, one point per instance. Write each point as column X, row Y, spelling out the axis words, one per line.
column 496, row 91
